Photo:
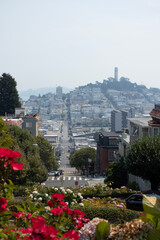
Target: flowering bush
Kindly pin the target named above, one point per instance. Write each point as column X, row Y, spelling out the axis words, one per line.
column 104, row 190
column 57, row 221
column 71, row 197
column 105, row 202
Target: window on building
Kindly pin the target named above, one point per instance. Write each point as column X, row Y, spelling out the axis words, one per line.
column 112, row 142
column 111, row 155
column 135, row 131
column 149, row 131
column 156, row 131
column 28, row 124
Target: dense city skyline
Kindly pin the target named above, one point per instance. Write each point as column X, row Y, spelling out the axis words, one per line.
column 73, row 43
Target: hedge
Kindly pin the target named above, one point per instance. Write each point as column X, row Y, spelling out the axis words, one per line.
column 113, row 194
column 113, row 215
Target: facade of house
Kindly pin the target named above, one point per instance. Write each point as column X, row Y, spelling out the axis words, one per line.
column 31, row 123
column 154, row 123
column 107, row 146
column 139, row 128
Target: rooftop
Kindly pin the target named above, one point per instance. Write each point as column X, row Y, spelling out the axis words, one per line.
column 140, row 121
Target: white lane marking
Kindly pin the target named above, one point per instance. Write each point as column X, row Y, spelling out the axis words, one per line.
column 74, row 178
column 64, row 178
column 52, row 178
column 80, row 178
column 69, row 178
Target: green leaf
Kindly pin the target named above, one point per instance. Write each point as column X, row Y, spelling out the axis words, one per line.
column 151, row 205
column 153, row 234
column 102, row 230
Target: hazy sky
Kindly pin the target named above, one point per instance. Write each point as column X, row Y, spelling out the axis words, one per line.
column 46, row 43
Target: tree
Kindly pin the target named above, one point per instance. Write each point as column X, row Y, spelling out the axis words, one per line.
column 9, row 98
column 117, row 174
column 46, row 153
column 36, row 170
column 143, row 160
column 79, row 158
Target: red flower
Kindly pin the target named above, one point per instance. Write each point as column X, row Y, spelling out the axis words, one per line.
column 50, row 203
column 19, row 214
column 143, row 214
column 9, row 153
column 63, row 204
column 57, row 211
column 38, row 224
column 16, row 166
column 50, row 231
column 71, row 235
column 57, row 196
column 68, row 211
column 78, row 213
column 78, row 223
column 3, row 204
column 86, row 220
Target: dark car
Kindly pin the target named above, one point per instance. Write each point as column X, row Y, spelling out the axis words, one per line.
column 134, row 202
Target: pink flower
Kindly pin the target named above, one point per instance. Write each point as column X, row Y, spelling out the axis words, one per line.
column 3, row 204
column 57, row 196
column 57, row 211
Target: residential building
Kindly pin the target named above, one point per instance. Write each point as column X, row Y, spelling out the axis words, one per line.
column 107, row 146
column 31, row 123
column 154, row 123
column 119, row 119
column 116, row 121
column 139, row 128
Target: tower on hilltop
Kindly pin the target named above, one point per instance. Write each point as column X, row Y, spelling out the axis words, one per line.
column 59, row 92
column 116, row 73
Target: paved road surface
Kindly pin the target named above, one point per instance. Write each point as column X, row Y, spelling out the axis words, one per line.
column 71, row 177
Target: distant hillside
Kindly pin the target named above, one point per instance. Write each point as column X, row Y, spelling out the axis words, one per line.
column 26, row 94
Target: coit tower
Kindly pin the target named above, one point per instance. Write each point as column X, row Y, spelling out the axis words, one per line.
column 116, row 73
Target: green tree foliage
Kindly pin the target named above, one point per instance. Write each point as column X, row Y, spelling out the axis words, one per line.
column 117, row 174
column 46, row 153
column 79, row 158
column 143, row 160
column 36, row 170
column 6, row 141
column 9, row 98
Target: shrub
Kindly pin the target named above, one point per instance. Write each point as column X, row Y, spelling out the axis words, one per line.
column 113, row 215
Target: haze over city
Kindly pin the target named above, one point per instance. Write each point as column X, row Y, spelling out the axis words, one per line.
column 72, row 43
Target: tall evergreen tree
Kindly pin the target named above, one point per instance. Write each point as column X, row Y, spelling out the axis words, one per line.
column 9, row 98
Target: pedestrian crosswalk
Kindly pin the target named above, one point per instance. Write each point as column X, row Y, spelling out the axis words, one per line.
column 69, row 178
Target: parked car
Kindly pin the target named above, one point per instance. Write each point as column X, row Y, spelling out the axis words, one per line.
column 52, row 173
column 55, row 173
column 134, row 201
